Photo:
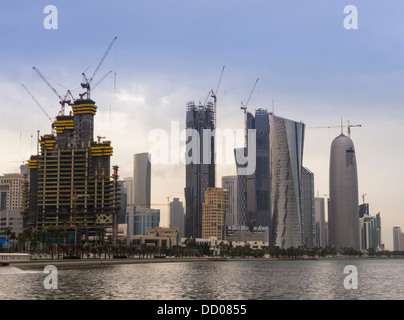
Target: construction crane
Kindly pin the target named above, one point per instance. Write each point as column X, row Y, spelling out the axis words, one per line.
column 363, row 197
column 94, row 86
column 37, row 102
column 87, row 82
column 349, row 126
column 244, row 107
column 62, row 100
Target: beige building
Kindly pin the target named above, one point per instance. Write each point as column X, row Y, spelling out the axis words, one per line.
column 11, row 191
column 158, row 236
column 214, row 210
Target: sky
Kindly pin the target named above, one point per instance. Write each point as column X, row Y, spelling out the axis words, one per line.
column 310, row 68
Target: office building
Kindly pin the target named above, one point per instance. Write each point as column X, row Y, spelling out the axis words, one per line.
column 142, row 179
column 286, row 149
column 10, row 218
column 231, row 219
column 214, row 209
column 140, row 218
column 11, row 188
column 397, row 239
column 343, row 215
column 177, row 216
column 363, row 210
column 320, row 224
column 308, row 209
column 258, row 215
column 200, row 171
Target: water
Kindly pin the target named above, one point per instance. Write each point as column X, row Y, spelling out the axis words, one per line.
column 212, row 280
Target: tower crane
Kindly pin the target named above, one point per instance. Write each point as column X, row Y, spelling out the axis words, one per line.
column 244, row 107
column 62, row 100
column 87, row 82
column 349, row 126
column 37, row 102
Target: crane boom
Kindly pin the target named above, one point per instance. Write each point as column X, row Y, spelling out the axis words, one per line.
column 87, row 82
column 62, row 100
column 37, row 102
column 349, row 126
column 47, row 82
column 102, row 60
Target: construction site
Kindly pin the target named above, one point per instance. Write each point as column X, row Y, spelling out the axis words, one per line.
column 72, row 186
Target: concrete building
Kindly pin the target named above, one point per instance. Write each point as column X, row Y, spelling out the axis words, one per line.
column 12, row 219
column 71, row 181
column 11, row 189
column 171, row 233
column 308, row 209
column 177, row 216
column 397, row 239
column 343, row 216
column 200, row 171
column 142, row 180
column 141, row 218
column 286, row 137
column 370, row 232
column 320, row 225
column 231, row 219
column 214, row 209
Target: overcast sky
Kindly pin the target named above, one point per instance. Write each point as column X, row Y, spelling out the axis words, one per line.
column 171, row 52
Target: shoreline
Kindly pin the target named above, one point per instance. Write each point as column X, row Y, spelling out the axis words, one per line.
column 65, row 263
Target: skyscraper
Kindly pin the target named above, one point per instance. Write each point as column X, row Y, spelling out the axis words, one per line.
column 142, row 179
column 200, row 172
column 71, row 183
column 343, row 216
column 231, row 219
column 308, row 211
column 397, row 239
column 321, row 233
column 177, row 216
column 258, row 213
column 286, row 146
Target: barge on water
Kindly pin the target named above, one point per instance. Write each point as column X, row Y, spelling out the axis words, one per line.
column 7, row 258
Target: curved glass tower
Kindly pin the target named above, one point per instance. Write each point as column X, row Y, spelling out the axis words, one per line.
column 343, row 215
column 287, row 138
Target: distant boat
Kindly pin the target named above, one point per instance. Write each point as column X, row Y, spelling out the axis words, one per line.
column 7, row 258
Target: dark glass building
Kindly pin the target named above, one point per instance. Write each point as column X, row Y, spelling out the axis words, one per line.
column 200, row 171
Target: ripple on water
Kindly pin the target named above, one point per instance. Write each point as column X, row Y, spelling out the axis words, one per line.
column 214, row 280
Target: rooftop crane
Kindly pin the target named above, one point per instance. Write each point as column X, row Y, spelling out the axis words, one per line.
column 37, row 102
column 94, row 86
column 87, row 82
column 349, row 126
column 62, row 100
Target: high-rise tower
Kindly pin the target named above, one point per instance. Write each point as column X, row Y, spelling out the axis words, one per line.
column 343, row 215
column 200, row 172
column 71, row 185
column 286, row 147
column 142, row 179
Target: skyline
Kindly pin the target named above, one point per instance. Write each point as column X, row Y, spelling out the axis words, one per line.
column 316, row 71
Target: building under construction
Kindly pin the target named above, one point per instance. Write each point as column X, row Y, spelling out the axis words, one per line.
column 71, row 186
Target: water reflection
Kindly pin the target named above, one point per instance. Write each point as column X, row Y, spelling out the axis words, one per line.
column 213, row 280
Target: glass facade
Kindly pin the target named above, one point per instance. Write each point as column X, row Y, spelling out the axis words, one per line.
column 199, row 174
column 286, row 148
